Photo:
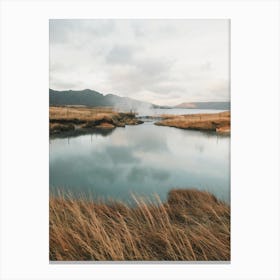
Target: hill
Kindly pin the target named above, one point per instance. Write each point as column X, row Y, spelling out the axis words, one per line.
column 93, row 98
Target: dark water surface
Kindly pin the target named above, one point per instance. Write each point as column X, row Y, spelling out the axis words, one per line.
column 142, row 159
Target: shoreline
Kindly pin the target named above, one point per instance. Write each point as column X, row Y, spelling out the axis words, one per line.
column 217, row 122
column 73, row 121
column 82, row 120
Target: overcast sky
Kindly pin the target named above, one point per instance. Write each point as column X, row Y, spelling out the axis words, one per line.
column 165, row 62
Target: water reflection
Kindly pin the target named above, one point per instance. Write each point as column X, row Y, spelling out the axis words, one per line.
column 77, row 133
column 142, row 159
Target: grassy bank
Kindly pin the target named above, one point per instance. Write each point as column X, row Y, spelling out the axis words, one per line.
column 63, row 119
column 192, row 226
column 219, row 122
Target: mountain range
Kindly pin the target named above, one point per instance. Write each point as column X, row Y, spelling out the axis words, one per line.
column 93, row 98
column 205, row 105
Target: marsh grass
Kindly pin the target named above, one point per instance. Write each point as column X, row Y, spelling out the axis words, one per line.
column 191, row 226
column 214, row 121
column 80, row 113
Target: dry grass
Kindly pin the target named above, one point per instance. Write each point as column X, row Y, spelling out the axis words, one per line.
column 80, row 113
column 219, row 122
column 191, row 226
column 78, row 119
column 61, row 127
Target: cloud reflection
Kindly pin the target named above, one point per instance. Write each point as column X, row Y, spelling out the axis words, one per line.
column 143, row 159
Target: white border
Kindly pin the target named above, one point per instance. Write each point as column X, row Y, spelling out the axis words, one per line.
column 255, row 138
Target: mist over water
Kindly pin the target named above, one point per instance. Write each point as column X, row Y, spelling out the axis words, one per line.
column 143, row 160
column 147, row 110
column 175, row 111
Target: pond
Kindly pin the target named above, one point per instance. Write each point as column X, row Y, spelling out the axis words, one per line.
column 143, row 160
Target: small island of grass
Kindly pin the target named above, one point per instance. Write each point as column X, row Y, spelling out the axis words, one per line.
column 219, row 122
column 78, row 119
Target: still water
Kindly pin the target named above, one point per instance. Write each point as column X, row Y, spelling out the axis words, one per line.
column 143, row 159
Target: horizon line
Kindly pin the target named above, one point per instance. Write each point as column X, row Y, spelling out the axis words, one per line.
column 105, row 94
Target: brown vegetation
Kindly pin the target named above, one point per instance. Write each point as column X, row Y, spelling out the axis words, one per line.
column 60, row 127
column 191, row 226
column 79, row 113
column 82, row 118
column 219, row 122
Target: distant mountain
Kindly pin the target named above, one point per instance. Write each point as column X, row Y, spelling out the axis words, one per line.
column 93, row 98
column 205, row 105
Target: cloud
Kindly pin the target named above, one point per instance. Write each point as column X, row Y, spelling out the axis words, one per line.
column 219, row 88
column 65, row 30
column 159, row 61
column 140, row 75
column 207, row 66
column 120, row 55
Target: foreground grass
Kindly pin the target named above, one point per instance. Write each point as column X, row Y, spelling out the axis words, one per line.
column 192, row 226
column 219, row 122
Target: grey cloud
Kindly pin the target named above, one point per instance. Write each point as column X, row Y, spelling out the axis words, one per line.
column 61, row 84
column 68, row 30
column 219, row 88
column 119, row 55
column 100, row 27
column 59, row 30
column 169, row 88
column 154, row 66
column 159, row 61
column 143, row 74
column 138, row 29
column 207, row 66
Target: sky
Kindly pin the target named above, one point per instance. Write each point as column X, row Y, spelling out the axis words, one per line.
column 165, row 62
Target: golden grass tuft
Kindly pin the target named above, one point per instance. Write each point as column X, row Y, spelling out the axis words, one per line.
column 191, row 226
column 219, row 122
